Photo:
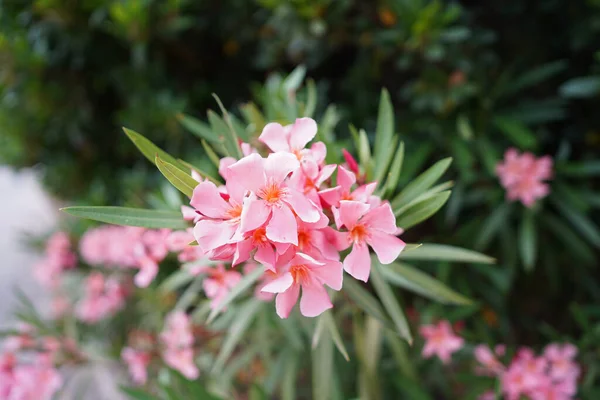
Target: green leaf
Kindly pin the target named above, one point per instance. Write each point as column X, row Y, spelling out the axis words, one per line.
column 422, row 210
column 231, row 139
column 424, row 196
column 581, row 169
column 492, row 225
column 322, row 369
column 364, row 153
column 211, row 153
column 365, row 301
column 580, row 222
column 580, row 88
column 463, row 126
column 293, row 81
column 200, row 172
column 335, row 334
column 384, row 135
column 391, row 182
column 236, row 331
column 528, row 241
column 421, row 183
column 442, row 252
column 412, row 279
column 311, row 99
column 200, row 129
column 149, row 149
column 181, row 180
column 534, row 76
column 247, row 281
column 138, row 394
column 130, row 216
column 288, row 383
column 516, row 132
column 389, row 301
column 253, row 116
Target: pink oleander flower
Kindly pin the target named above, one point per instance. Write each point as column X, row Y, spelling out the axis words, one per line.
column 561, row 361
column 58, row 257
column 102, row 298
column 179, row 242
column 137, row 363
column 350, row 162
column 264, row 280
column 343, row 191
column 522, row 175
column 303, row 271
column 38, row 380
column 271, row 202
column 178, row 340
column 219, row 283
column 25, row 339
column 440, row 340
column 374, row 227
column 292, row 139
column 490, row 365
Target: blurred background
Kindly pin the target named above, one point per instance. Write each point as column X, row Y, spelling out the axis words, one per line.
column 468, row 80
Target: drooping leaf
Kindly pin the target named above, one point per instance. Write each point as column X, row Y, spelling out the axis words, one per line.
column 322, row 368
column 202, row 130
column 516, row 132
column 534, row 76
column 422, row 210
column 247, row 281
column 412, row 279
column 181, row 180
column 389, row 300
column 580, row 222
column 366, row 302
column 581, row 87
column 528, row 241
column 421, row 183
column 130, row 216
column 442, row 252
column 424, row 196
column 384, row 136
column 149, row 149
column 231, row 142
column 492, row 225
column 391, row 182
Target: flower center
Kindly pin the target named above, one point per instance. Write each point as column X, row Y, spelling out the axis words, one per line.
column 259, row 236
column 272, row 193
column 303, row 240
column 300, row 273
column 347, row 196
column 359, row 233
column 234, row 212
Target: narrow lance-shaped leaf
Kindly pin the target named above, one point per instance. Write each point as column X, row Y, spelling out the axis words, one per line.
column 366, row 302
column 247, row 281
column 394, row 174
column 425, row 196
column 231, row 139
column 412, row 279
column 202, row 130
column 149, row 149
column 422, row 210
column 421, row 183
column 389, row 300
column 179, row 179
column 528, row 241
column 322, row 368
column 383, row 136
column 311, row 99
column 130, row 216
column 442, row 252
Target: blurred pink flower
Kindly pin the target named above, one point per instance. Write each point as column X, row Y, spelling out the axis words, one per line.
column 178, row 340
column 102, row 298
column 137, row 363
column 440, row 340
column 219, row 283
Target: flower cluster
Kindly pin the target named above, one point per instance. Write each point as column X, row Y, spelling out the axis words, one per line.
column 522, row 175
column 126, row 247
column 178, row 341
column 27, row 366
column 276, row 211
column 551, row 375
column 58, row 257
column 103, row 297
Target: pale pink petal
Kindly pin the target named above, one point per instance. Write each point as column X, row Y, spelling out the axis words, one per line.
column 381, row 218
column 345, row 178
column 306, row 210
column 274, row 136
column 248, row 173
column 242, row 252
column 224, row 164
column 147, row 272
column 325, row 174
column 331, row 274
column 255, row 213
column 331, row 196
column 351, row 211
column 358, row 262
column 208, row 201
column 284, row 302
column 279, row 165
column 386, row 246
column 303, row 131
column 189, row 214
column 279, row 285
column 266, row 256
column 318, row 152
column 212, row 234
column 282, row 227
column 314, row 300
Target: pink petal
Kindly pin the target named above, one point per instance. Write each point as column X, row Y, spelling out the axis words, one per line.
column 242, row 252
column 345, row 179
column 331, row 274
column 282, row 227
column 224, row 164
column 255, row 213
column 381, row 218
column 331, row 196
column 208, row 201
column 386, row 246
column 265, row 255
column 284, row 302
column 279, row 165
column 147, row 272
column 303, row 131
column 304, row 208
column 325, row 174
column 249, row 173
column 212, row 234
column 351, row 211
column 273, row 135
column 318, row 152
column 358, row 262
column 279, row 285
column 314, row 300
